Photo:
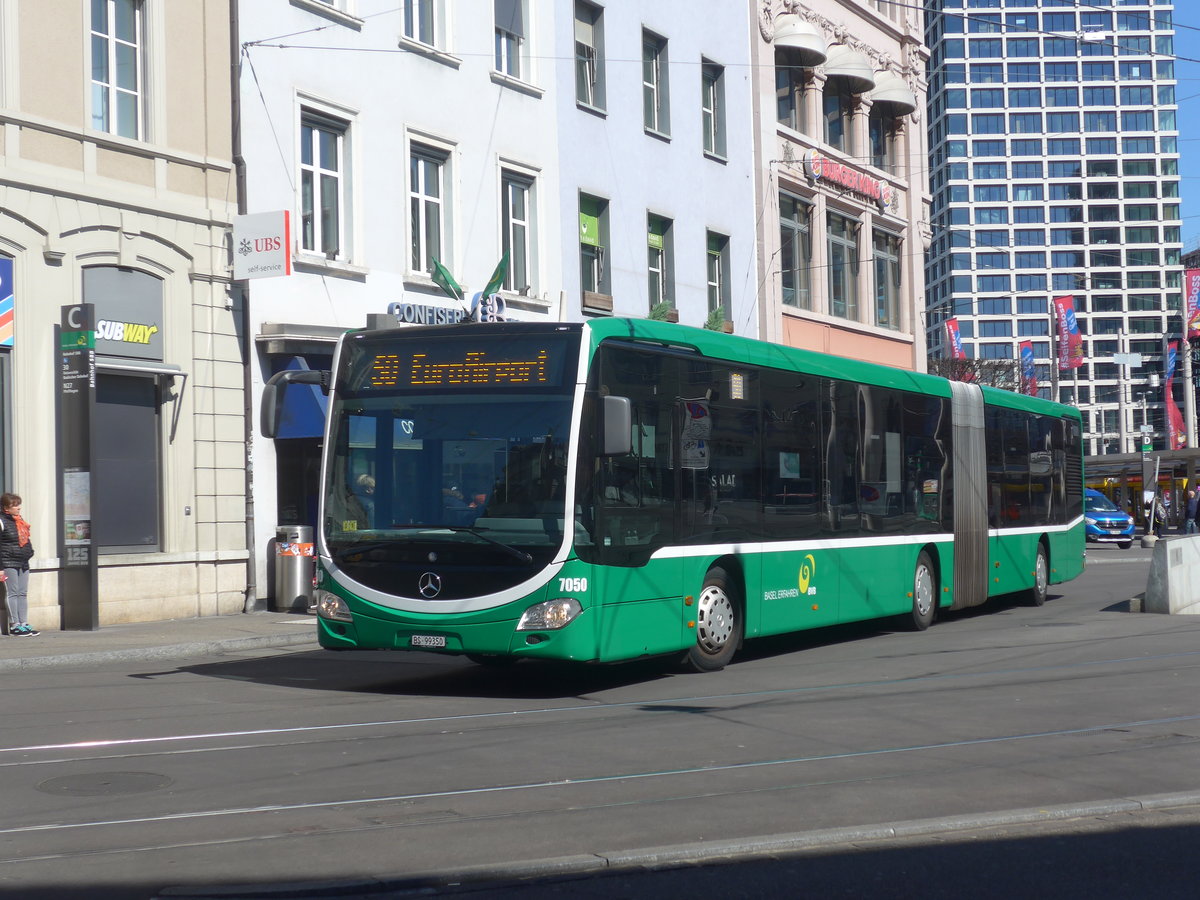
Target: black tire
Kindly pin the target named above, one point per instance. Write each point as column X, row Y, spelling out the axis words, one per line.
column 924, row 593
column 719, row 623
column 1125, row 545
column 1041, row 577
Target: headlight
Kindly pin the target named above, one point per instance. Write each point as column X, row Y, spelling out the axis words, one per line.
column 331, row 606
column 551, row 615
column 1089, row 520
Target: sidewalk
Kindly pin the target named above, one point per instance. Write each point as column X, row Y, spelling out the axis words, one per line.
column 175, row 639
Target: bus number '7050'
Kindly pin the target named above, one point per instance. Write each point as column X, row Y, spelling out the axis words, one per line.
column 578, row 585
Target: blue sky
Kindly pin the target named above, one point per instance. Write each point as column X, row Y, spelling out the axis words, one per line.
column 1187, row 44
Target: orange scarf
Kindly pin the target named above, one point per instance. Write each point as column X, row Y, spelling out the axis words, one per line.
column 22, row 530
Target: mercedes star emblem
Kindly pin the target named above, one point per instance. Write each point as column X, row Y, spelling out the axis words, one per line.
column 430, row 585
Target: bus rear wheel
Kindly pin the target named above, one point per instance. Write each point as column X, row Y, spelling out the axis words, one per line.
column 924, row 593
column 1041, row 577
column 719, row 623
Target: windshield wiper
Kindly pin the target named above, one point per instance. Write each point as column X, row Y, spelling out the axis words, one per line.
column 471, row 529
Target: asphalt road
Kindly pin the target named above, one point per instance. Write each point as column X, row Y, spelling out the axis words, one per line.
column 417, row 772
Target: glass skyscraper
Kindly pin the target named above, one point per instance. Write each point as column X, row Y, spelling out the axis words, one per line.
column 1055, row 172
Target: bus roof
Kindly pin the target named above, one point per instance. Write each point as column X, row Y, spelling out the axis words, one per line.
column 735, row 348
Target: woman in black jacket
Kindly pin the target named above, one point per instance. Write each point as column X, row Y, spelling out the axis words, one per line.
column 15, row 552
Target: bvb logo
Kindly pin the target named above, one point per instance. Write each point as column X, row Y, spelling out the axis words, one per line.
column 807, row 569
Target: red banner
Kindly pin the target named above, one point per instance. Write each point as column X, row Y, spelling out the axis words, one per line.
column 1070, row 341
column 956, row 347
column 1174, row 418
column 1191, row 295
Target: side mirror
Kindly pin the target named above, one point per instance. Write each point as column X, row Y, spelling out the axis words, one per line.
column 617, row 430
column 272, row 398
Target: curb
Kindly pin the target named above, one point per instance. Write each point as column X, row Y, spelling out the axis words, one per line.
column 167, row 651
column 684, row 854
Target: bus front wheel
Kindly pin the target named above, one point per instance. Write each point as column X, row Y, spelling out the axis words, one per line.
column 924, row 594
column 1041, row 577
column 719, row 623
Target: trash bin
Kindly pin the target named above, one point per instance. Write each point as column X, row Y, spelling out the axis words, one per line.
column 294, row 561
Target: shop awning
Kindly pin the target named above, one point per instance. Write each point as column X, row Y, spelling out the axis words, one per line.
column 138, row 366
column 801, row 40
column 891, row 89
column 851, row 65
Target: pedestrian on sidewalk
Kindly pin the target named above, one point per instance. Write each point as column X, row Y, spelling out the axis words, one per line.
column 1189, row 521
column 15, row 552
column 1158, row 513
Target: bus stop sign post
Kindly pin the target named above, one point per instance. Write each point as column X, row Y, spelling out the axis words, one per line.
column 78, row 594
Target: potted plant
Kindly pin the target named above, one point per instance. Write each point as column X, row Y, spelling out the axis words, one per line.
column 663, row 312
column 716, row 321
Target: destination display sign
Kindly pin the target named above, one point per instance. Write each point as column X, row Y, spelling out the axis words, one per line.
column 516, row 361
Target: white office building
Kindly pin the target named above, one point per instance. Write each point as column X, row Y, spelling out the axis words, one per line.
column 1055, row 172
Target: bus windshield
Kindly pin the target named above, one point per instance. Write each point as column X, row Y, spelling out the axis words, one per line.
column 433, row 460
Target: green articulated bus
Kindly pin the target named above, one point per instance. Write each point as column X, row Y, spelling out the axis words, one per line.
column 625, row 488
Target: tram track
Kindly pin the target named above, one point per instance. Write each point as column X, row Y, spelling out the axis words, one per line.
column 347, row 804
column 681, row 704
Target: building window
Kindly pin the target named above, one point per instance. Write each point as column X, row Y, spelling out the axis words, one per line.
column 589, row 55
column 117, row 67
column 593, row 239
column 887, row 279
column 323, row 184
column 791, row 81
column 419, row 22
column 838, row 104
column 795, row 251
column 883, row 126
column 712, row 92
column 516, row 211
column 718, row 274
column 843, row 266
column 660, row 282
column 427, row 211
column 510, row 37
column 655, row 92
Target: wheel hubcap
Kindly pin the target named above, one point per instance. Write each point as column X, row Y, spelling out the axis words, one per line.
column 923, row 591
column 714, row 620
column 1042, row 580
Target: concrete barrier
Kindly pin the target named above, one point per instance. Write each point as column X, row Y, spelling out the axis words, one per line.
column 1174, row 583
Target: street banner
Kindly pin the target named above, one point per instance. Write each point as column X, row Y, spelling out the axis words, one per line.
column 1028, row 370
column 1191, row 293
column 1174, row 417
column 956, row 347
column 1070, row 341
